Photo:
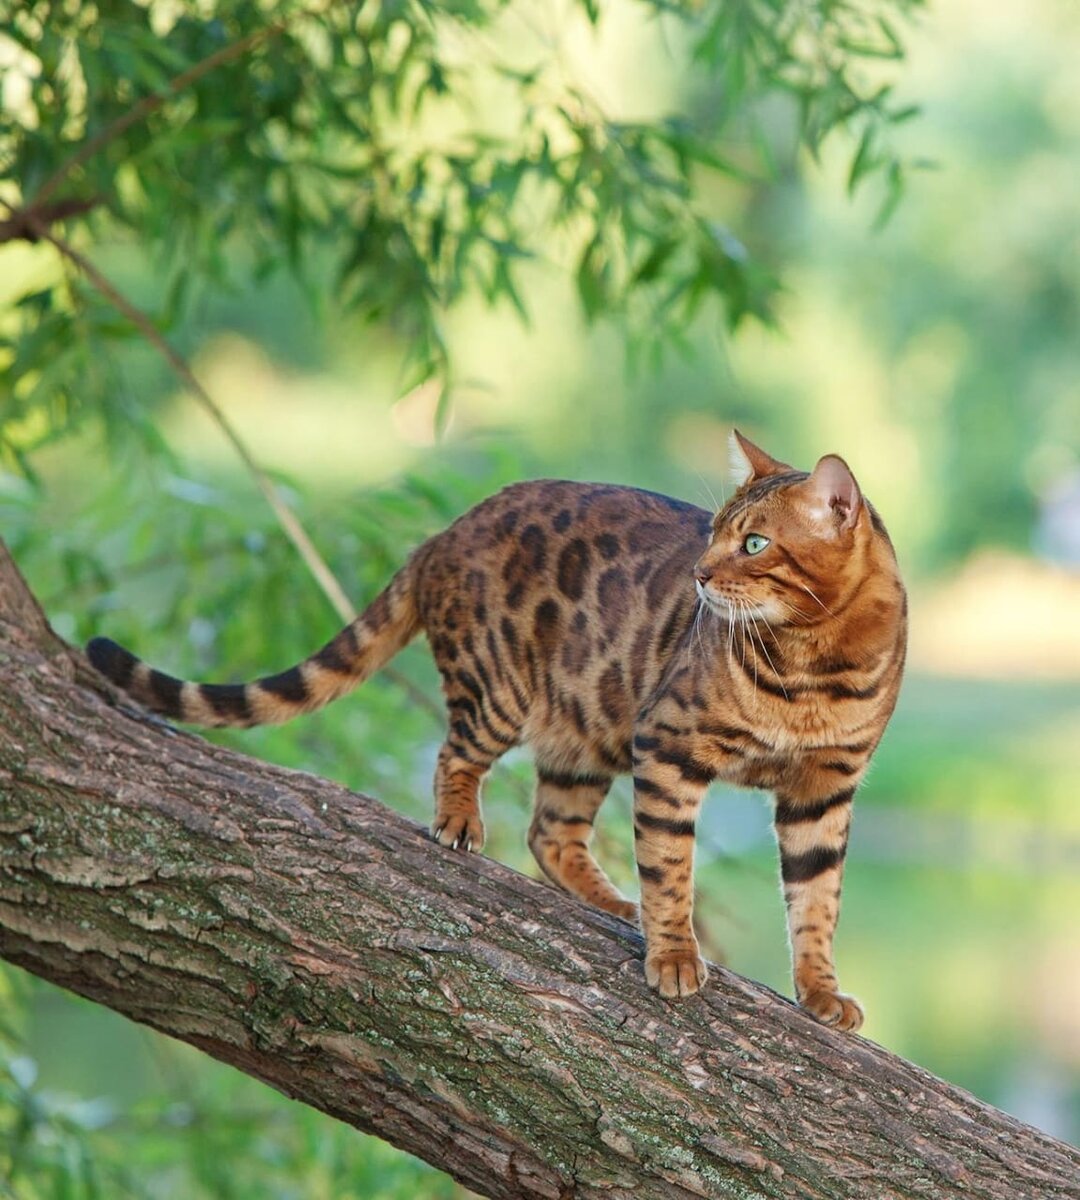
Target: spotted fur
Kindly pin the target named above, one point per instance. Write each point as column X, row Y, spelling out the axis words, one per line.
column 616, row 630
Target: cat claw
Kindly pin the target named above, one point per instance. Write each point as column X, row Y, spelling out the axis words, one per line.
column 458, row 833
column 676, row 973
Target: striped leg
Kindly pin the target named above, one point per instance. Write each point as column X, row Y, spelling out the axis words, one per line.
column 480, row 733
column 668, row 790
column 813, row 837
column 458, row 823
column 559, row 837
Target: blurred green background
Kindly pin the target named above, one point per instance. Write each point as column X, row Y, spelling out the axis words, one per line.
column 940, row 354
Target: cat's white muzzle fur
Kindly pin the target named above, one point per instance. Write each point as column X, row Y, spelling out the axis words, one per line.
column 743, row 611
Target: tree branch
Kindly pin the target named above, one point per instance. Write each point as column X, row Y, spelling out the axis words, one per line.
column 485, row 1022
column 23, row 224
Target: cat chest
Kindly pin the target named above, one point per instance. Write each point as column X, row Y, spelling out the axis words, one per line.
column 796, row 713
column 772, row 769
column 768, row 743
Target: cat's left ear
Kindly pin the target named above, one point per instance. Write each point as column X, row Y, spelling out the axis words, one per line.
column 749, row 462
column 833, row 493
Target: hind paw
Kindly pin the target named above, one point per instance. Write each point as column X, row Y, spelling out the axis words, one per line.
column 834, row 1009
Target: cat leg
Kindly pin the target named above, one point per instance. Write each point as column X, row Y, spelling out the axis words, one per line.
column 669, row 785
column 813, row 834
column 562, row 827
column 458, row 822
column 481, row 731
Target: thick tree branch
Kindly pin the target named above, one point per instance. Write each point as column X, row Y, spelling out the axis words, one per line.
column 485, row 1022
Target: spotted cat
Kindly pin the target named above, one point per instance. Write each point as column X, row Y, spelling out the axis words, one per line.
column 616, row 630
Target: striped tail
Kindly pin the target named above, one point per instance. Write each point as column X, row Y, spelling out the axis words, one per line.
column 357, row 652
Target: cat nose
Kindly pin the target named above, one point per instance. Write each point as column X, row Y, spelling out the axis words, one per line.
column 703, row 574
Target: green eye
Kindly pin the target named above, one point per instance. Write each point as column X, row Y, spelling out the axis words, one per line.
column 755, row 543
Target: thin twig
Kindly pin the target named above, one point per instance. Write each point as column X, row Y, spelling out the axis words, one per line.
column 17, row 228
column 149, row 104
column 295, row 531
column 285, row 516
column 31, row 219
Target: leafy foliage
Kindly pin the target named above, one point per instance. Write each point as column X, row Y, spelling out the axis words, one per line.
column 397, row 158
column 402, row 142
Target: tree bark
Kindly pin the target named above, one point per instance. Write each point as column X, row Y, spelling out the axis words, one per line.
column 485, row 1022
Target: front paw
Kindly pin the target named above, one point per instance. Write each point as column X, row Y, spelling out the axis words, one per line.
column 460, row 831
column 834, row 1009
column 675, row 972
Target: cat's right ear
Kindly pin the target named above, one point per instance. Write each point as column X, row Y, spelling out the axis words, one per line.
column 748, row 462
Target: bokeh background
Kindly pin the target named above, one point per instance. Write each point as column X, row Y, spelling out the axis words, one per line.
column 939, row 354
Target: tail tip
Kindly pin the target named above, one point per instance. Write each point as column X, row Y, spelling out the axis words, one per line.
column 112, row 660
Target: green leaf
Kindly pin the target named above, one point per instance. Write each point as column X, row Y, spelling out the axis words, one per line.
column 590, row 279
column 863, row 161
column 893, row 194
column 654, row 261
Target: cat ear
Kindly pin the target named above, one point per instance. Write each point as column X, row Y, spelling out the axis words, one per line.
column 748, row 462
column 833, row 492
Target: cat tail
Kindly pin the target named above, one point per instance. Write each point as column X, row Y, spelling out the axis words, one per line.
column 357, row 652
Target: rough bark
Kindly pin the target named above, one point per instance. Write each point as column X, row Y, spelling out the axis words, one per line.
column 485, row 1022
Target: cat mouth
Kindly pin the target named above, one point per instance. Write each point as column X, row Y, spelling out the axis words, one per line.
column 730, row 607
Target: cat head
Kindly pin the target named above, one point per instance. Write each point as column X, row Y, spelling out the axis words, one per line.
column 788, row 543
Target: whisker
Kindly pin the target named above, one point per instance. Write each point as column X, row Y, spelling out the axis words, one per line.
column 697, row 630
column 744, row 610
column 813, row 596
column 796, row 617
column 705, row 485
column 693, row 627
column 742, row 632
column 768, row 657
column 768, row 625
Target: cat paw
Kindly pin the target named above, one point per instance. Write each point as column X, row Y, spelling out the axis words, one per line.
column 459, row 832
column 626, row 909
column 675, row 972
column 834, row 1009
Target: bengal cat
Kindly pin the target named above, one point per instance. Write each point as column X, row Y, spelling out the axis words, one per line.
column 617, row 630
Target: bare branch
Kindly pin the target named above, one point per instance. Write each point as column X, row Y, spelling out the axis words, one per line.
column 21, row 225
